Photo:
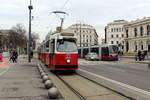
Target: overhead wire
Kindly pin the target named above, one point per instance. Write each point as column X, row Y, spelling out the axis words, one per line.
column 61, row 8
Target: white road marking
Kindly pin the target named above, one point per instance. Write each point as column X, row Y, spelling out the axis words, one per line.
column 119, row 83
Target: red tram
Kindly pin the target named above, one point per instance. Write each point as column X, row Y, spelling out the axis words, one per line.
column 59, row 51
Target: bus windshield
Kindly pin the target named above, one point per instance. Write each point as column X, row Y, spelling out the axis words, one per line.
column 113, row 49
column 66, row 46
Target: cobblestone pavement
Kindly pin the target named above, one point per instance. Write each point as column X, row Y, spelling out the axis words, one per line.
column 21, row 82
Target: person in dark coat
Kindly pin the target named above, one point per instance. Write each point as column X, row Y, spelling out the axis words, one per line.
column 139, row 55
column 14, row 56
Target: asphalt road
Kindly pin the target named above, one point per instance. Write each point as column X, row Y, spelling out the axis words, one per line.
column 134, row 74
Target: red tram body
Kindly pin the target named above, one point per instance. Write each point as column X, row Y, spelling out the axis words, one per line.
column 59, row 51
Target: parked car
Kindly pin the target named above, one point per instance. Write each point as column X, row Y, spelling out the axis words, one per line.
column 92, row 56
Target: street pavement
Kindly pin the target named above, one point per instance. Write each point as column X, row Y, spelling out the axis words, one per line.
column 126, row 71
column 21, row 81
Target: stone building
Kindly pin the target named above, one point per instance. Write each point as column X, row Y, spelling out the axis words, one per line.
column 115, row 33
column 86, row 34
column 137, row 35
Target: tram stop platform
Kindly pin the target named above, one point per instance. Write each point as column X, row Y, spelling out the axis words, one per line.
column 21, row 81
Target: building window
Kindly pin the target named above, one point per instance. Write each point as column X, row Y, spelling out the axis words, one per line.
column 114, row 29
column 122, row 35
column 148, row 29
column 135, row 47
column 117, row 29
column 141, row 31
column 112, row 36
column 127, row 33
column 111, row 29
column 141, row 47
column 117, row 42
column 117, row 36
column 112, row 42
column 135, row 32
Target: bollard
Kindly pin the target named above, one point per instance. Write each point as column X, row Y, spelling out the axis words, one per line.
column 53, row 93
column 48, row 84
column 45, row 78
column 42, row 74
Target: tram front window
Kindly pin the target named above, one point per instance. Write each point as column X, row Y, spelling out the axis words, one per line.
column 66, row 46
column 113, row 49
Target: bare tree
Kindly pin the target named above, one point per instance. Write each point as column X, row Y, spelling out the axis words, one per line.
column 35, row 36
column 17, row 37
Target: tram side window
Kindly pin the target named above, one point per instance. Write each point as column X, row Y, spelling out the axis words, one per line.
column 96, row 50
column 85, row 51
column 105, row 51
column 52, row 46
column 47, row 46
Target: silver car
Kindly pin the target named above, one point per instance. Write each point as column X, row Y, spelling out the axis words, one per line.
column 92, row 56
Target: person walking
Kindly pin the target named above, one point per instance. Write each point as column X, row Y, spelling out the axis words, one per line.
column 14, row 56
column 139, row 55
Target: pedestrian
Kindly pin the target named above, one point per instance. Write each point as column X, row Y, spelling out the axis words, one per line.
column 14, row 56
column 139, row 54
column 136, row 58
column 10, row 56
column 146, row 54
column 142, row 56
column 1, row 56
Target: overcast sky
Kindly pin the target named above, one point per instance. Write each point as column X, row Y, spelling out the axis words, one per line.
column 97, row 13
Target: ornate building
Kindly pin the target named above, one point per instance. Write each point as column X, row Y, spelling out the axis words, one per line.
column 86, row 34
column 115, row 32
column 137, row 35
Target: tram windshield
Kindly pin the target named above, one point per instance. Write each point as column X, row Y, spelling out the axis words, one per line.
column 113, row 49
column 66, row 46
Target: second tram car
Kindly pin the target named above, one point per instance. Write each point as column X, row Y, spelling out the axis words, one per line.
column 59, row 51
column 105, row 52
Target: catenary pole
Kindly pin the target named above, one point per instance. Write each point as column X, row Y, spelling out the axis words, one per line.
column 29, row 41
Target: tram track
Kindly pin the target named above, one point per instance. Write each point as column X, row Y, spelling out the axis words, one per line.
column 71, row 88
column 68, row 80
column 121, row 94
column 85, row 88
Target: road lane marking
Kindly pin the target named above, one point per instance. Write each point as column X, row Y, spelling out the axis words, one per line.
column 119, row 83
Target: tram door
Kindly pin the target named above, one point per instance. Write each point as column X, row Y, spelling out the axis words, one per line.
column 52, row 53
column 104, row 52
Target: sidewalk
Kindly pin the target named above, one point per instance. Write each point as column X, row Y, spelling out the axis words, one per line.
column 131, row 59
column 22, row 82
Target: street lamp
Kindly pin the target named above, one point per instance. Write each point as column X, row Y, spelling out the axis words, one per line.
column 29, row 44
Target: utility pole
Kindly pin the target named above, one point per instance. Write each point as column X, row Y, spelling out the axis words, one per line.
column 29, row 44
column 61, row 26
column 81, row 41
column 105, row 35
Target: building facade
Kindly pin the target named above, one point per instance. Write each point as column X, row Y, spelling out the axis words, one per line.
column 115, row 32
column 137, row 35
column 86, row 34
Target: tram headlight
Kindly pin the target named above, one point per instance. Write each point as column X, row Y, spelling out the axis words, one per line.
column 68, row 61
